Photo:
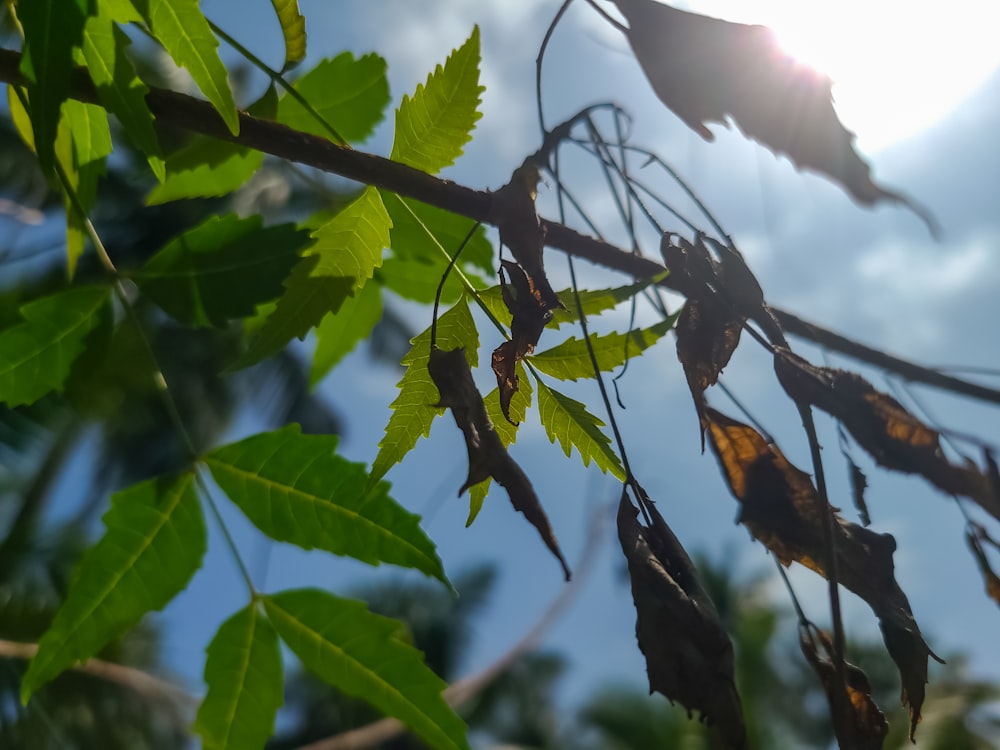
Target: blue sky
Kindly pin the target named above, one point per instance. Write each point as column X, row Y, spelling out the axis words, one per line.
column 874, row 275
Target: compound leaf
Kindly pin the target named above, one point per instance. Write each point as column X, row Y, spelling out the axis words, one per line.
column 568, row 420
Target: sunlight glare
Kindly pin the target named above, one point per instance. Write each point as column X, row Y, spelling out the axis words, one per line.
column 898, row 67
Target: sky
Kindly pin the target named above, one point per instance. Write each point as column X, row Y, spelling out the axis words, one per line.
column 875, row 275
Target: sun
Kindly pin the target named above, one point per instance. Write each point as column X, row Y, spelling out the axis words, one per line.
column 898, row 67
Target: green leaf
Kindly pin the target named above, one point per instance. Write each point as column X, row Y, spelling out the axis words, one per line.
column 120, row 11
column 571, row 360
column 520, row 402
column 295, row 488
column 205, row 168
column 244, row 678
column 569, row 421
column 597, row 301
column 153, row 543
column 413, row 411
column 364, row 655
column 293, row 29
column 351, row 243
column 222, row 269
column 340, row 332
column 52, row 28
column 349, row 94
column 418, row 280
column 306, row 301
column 38, row 352
column 118, row 86
column 433, row 126
column 82, row 143
column 409, row 238
column 183, row 31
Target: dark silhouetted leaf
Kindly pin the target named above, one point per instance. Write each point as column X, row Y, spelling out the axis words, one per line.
column 865, row 727
column 487, row 455
column 530, row 312
column 706, row 69
column 707, row 336
column 689, row 657
column 780, row 507
column 859, row 483
column 975, row 536
column 895, row 438
column 222, row 269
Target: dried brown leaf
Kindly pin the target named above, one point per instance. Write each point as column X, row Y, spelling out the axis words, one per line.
column 487, row 456
column 531, row 311
column 780, row 507
column 707, row 336
column 689, row 657
column 707, row 70
column 975, row 536
column 882, row 426
column 865, row 728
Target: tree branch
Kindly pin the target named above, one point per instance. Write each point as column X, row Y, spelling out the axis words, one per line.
column 198, row 116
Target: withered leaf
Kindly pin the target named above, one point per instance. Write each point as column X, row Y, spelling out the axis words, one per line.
column 859, row 483
column 882, row 426
column 706, row 69
column 689, row 657
column 707, row 336
column 780, row 507
column 487, row 456
column 513, row 212
column 865, row 728
column 530, row 311
column 974, row 537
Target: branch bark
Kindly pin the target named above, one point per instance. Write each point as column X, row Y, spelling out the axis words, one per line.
column 198, row 116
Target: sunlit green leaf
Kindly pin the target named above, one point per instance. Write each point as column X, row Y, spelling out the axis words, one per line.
column 82, row 143
column 340, row 332
column 519, row 404
column 222, row 269
column 306, row 301
column 413, row 411
column 183, row 31
column 409, row 238
column 417, row 279
column 434, row 125
column 295, row 488
column 52, row 28
column 244, row 678
column 293, row 29
column 39, row 352
column 364, row 655
column 351, row 95
column 153, row 543
column 118, row 86
column 570, row 360
column 569, row 422
column 205, row 169
column 596, row 301
column 351, row 243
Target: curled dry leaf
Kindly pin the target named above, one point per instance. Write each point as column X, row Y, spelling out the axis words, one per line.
column 530, row 311
column 865, row 727
column 975, row 535
column 689, row 657
column 487, row 456
column 780, row 507
column 882, row 426
column 707, row 70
